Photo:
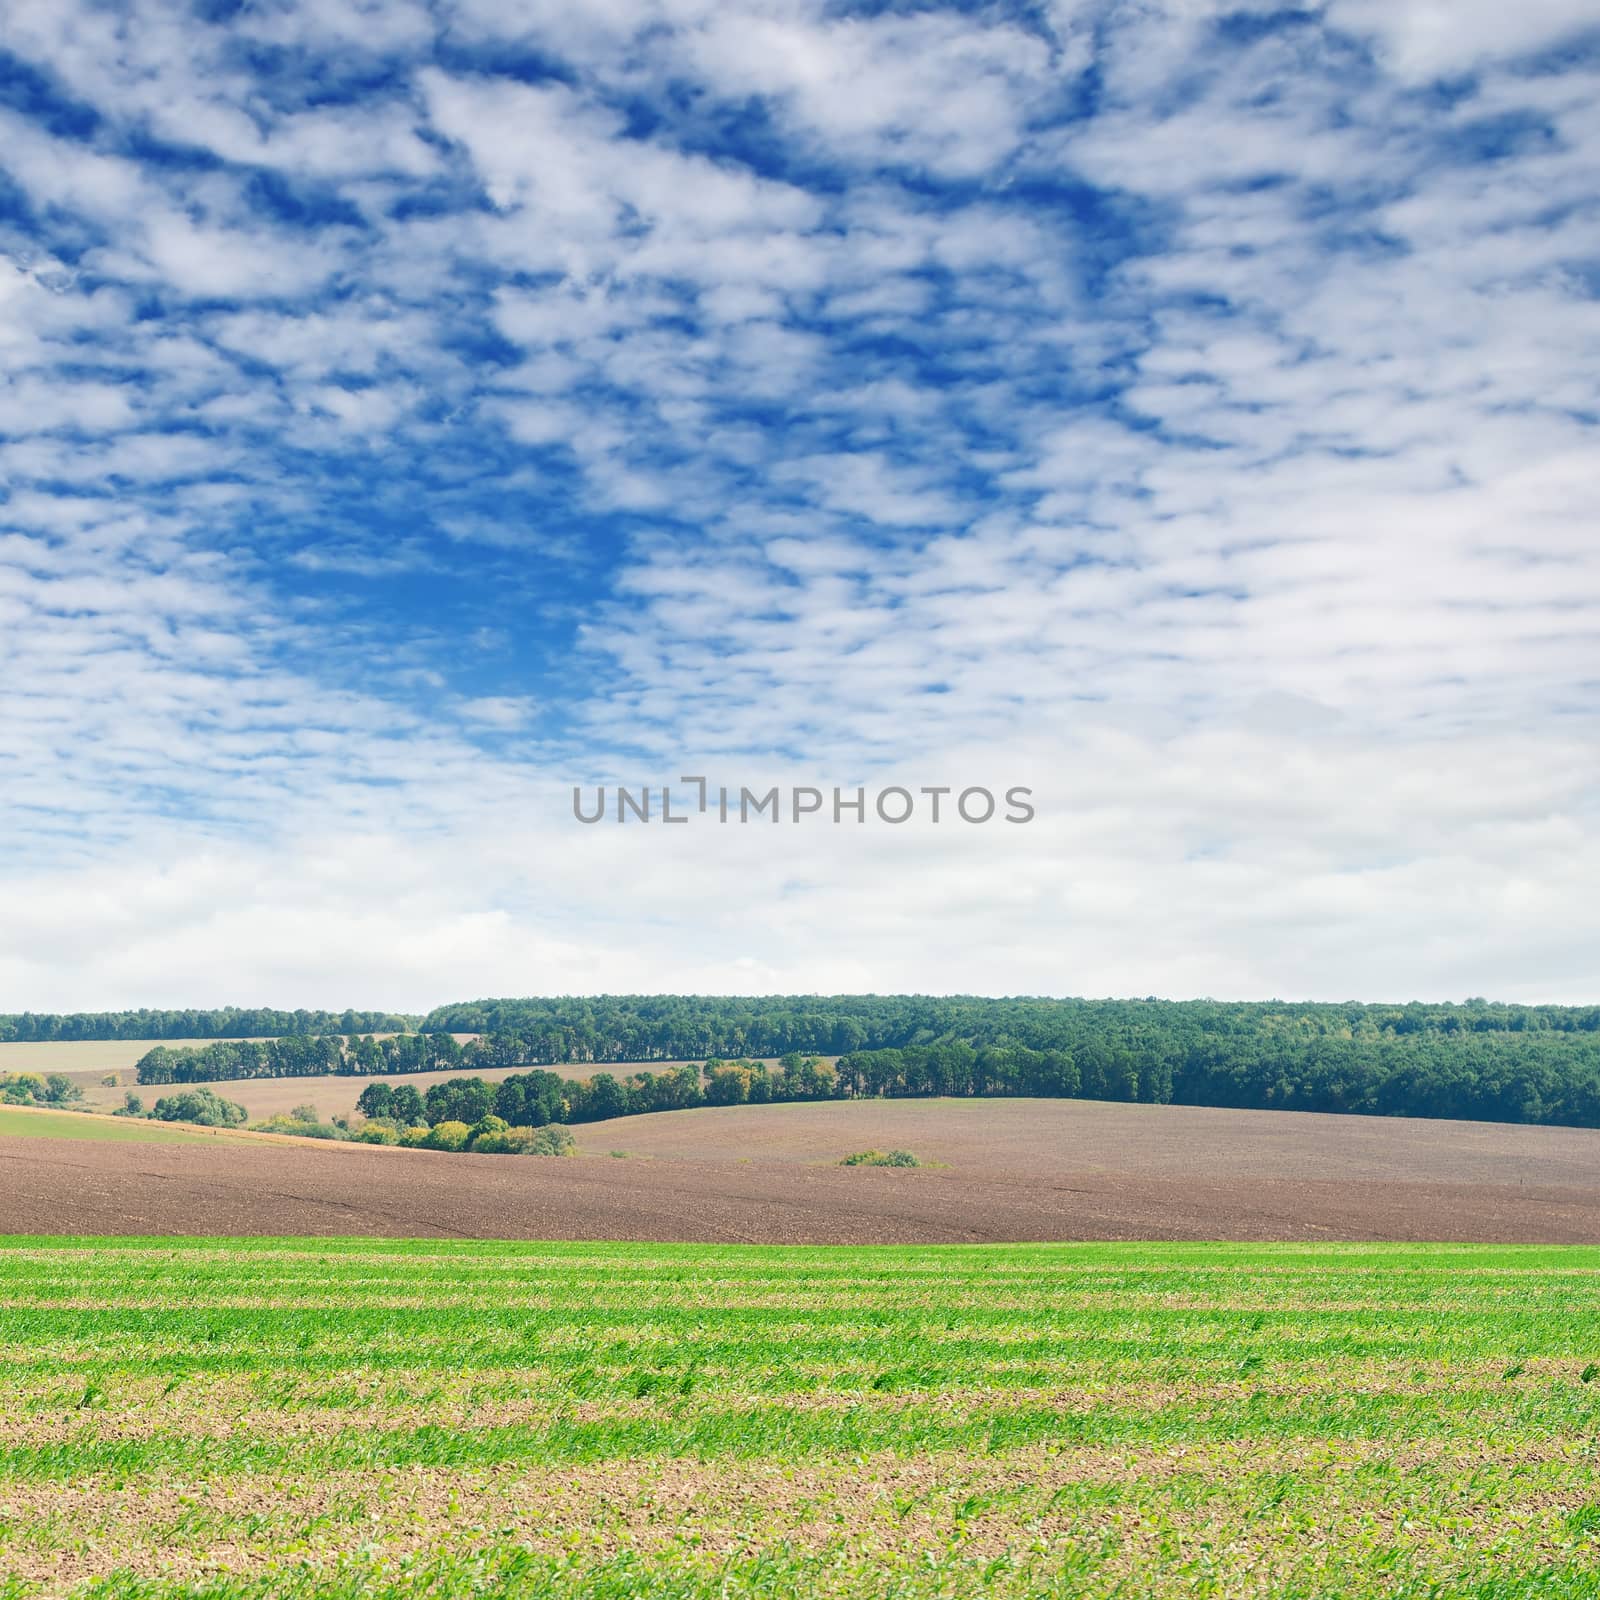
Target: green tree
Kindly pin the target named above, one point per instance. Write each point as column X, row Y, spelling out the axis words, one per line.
column 460, row 1100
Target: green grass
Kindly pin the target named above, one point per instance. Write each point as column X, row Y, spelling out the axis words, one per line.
column 30, row 1124
column 350, row 1418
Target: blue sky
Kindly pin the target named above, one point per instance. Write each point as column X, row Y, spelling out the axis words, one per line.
column 408, row 411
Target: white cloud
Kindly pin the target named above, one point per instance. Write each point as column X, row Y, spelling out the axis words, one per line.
column 1438, row 38
column 1223, row 461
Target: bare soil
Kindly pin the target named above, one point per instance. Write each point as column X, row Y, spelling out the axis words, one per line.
column 1014, row 1170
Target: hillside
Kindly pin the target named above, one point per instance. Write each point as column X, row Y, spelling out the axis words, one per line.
column 1015, row 1170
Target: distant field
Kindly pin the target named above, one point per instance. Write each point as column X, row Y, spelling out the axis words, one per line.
column 83, row 1056
column 272, row 1420
column 86, row 1061
column 26, row 1123
column 1009, row 1170
column 1030, row 1142
column 334, row 1095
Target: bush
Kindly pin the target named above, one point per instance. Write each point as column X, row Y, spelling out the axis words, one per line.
column 305, row 1113
column 299, row 1127
column 415, row 1138
column 505, row 1142
column 203, row 1106
column 379, row 1133
column 552, row 1139
column 487, row 1128
column 448, row 1136
column 878, row 1158
column 132, row 1106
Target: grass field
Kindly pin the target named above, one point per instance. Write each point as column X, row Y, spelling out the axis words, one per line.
column 290, row 1418
column 28, row 1123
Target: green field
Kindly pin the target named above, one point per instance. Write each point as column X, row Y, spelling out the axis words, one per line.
column 30, row 1124
column 297, row 1418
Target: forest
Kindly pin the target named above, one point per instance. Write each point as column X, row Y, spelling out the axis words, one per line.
column 231, row 1022
column 1474, row 1060
column 693, row 1027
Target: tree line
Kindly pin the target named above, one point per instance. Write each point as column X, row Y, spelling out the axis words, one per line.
column 645, row 1028
column 1553, row 1079
column 1475, row 1059
column 538, row 1099
column 299, row 1056
column 230, row 1022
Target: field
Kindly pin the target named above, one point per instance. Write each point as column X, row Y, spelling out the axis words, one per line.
column 87, row 1061
column 26, row 1123
column 1010, row 1170
column 279, row 1418
column 79, row 1057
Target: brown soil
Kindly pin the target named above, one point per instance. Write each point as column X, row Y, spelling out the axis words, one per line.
column 1018, row 1170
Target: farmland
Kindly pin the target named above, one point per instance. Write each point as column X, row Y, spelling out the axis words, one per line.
column 1002, row 1170
column 81, row 1059
column 88, row 1061
column 24, row 1123
column 282, row 1418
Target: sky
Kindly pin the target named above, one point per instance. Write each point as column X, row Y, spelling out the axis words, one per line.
column 409, row 412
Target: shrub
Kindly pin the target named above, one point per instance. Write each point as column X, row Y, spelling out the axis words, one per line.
column 552, row 1139
column 379, row 1133
column 111, row 1081
column 299, row 1127
column 415, row 1138
column 505, row 1142
column 203, row 1106
column 306, row 1113
column 878, row 1158
column 487, row 1128
column 132, row 1106
column 449, row 1135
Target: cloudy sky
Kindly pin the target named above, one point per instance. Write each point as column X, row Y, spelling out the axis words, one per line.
column 409, row 411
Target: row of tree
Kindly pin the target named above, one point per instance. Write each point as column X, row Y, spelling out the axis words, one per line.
column 1552, row 1080
column 693, row 1027
column 229, row 1022
column 644, row 1028
column 1501, row 1063
column 533, row 1099
column 299, row 1056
